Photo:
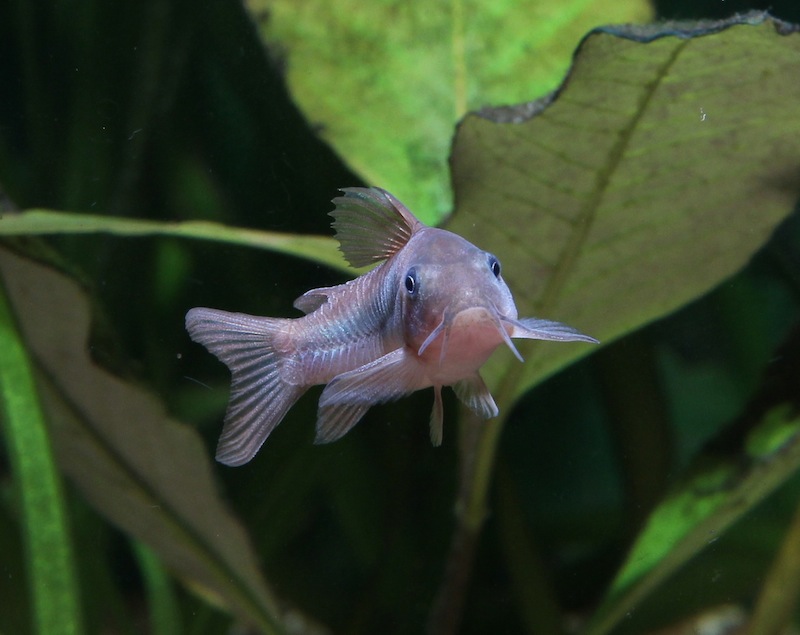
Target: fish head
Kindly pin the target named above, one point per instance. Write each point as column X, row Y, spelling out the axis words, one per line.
column 453, row 306
column 455, row 303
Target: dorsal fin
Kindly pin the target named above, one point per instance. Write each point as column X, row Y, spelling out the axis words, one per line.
column 371, row 225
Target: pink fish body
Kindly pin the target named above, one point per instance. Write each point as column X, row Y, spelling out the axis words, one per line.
column 429, row 315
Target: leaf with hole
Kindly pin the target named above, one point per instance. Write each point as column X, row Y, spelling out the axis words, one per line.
column 665, row 161
column 387, row 81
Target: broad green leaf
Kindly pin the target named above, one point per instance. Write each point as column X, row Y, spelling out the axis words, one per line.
column 50, row 558
column 698, row 512
column 321, row 249
column 665, row 161
column 387, row 81
column 147, row 473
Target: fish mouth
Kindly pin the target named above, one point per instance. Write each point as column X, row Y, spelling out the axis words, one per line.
column 468, row 317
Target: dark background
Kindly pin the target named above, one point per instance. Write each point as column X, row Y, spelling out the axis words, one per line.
column 173, row 111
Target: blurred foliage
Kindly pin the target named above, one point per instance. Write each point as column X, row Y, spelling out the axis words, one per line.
column 172, row 111
column 439, row 60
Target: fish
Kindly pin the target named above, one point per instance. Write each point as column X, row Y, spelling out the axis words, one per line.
column 429, row 314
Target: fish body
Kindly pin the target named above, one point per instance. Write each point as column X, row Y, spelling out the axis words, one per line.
column 429, row 315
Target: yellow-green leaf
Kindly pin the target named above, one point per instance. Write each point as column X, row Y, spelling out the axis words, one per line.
column 666, row 160
column 386, row 81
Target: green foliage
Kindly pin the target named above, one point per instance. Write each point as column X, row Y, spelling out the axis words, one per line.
column 642, row 122
column 43, row 222
column 647, row 202
column 49, row 551
column 696, row 513
column 148, row 474
column 417, row 67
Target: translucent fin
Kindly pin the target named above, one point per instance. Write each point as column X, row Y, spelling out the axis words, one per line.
column 536, row 329
column 311, row 300
column 348, row 396
column 259, row 397
column 334, row 421
column 371, row 225
column 437, row 417
column 474, row 394
column 339, row 294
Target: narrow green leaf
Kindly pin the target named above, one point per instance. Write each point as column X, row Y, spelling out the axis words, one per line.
column 387, row 81
column 321, row 249
column 51, row 568
column 162, row 604
column 696, row 514
column 147, row 473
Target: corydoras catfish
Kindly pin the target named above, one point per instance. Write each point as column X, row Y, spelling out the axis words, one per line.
column 429, row 315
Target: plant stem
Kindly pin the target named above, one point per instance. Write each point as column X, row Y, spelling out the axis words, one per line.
column 778, row 598
column 628, row 377
column 538, row 605
column 478, row 447
column 478, row 441
column 445, row 616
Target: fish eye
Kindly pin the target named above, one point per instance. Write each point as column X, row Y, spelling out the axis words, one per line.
column 494, row 265
column 411, row 281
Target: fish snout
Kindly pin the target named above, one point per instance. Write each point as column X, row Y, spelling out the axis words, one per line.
column 470, row 333
column 473, row 316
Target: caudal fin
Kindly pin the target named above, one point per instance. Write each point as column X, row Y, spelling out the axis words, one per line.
column 259, row 396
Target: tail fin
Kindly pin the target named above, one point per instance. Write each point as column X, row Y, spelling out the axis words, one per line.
column 259, row 397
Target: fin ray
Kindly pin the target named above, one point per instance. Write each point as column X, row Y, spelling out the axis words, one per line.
column 348, row 396
column 259, row 397
column 536, row 329
column 371, row 225
column 335, row 421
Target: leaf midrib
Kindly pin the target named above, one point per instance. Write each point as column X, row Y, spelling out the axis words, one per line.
column 566, row 263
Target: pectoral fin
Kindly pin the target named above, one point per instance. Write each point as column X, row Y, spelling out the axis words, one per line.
column 536, row 329
column 348, row 396
column 474, row 394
